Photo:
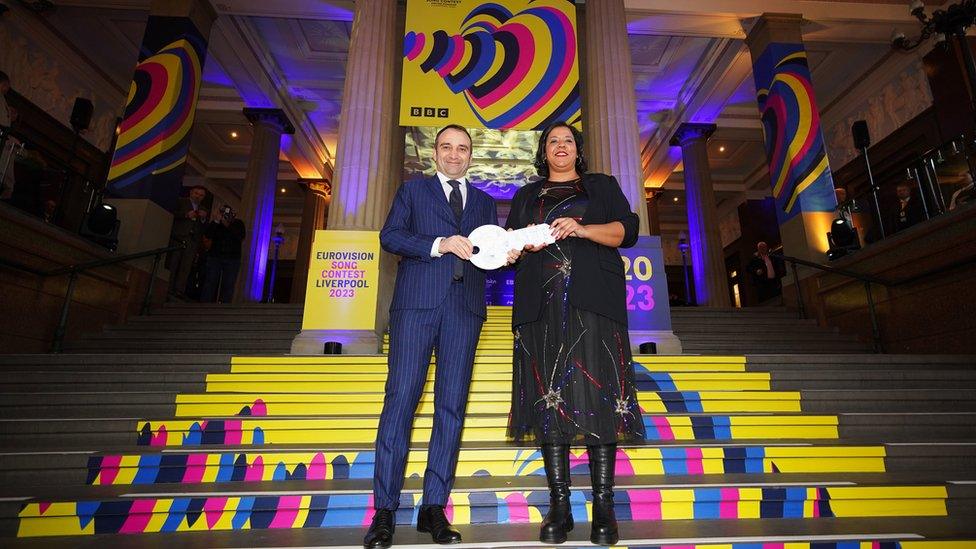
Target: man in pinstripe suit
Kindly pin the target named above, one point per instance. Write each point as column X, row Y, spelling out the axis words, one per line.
column 438, row 303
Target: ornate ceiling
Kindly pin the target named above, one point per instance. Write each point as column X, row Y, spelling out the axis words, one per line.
column 689, row 64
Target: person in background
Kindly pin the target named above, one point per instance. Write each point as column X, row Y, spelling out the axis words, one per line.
column 766, row 272
column 225, row 237
column 907, row 211
column 963, row 195
column 8, row 143
column 189, row 222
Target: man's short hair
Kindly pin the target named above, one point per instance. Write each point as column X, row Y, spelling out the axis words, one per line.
column 201, row 187
column 4, row 78
column 457, row 127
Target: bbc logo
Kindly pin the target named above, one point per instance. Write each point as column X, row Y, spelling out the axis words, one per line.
column 430, row 112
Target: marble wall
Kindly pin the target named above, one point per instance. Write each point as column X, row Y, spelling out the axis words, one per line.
column 51, row 79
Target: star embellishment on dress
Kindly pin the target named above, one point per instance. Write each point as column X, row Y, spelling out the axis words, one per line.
column 566, row 267
column 552, row 398
column 623, row 406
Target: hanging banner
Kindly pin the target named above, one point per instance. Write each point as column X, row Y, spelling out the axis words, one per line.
column 343, row 273
column 505, row 64
column 154, row 136
column 798, row 167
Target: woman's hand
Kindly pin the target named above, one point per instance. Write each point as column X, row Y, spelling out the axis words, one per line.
column 529, row 247
column 565, row 227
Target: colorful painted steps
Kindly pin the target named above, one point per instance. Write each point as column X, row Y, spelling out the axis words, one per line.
column 250, row 430
column 315, row 404
column 266, row 465
column 243, row 511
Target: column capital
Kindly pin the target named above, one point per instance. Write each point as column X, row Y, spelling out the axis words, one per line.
column 774, row 27
column 200, row 12
column 323, row 188
column 691, row 131
column 272, row 117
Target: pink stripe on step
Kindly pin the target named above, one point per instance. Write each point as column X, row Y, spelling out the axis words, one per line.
column 139, row 516
column 287, row 512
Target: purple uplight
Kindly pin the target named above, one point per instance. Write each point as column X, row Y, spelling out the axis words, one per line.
column 696, row 239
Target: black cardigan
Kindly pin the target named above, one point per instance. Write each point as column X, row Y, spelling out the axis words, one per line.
column 597, row 282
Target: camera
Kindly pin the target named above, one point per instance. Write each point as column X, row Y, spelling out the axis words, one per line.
column 227, row 211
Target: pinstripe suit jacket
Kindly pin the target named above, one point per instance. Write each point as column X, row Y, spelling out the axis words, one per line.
column 421, row 213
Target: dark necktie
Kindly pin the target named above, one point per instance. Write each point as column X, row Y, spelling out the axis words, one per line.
column 458, row 206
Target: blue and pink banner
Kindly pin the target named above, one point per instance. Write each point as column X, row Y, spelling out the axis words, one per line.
column 154, row 136
column 798, row 166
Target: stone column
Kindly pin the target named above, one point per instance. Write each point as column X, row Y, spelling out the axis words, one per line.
column 314, row 215
column 610, row 110
column 257, row 200
column 707, row 259
column 366, row 171
column 653, row 213
column 803, row 187
column 364, row 179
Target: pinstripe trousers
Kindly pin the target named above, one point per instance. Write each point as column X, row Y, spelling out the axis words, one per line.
column 453, row 330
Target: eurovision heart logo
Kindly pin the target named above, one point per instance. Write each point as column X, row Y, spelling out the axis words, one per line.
column 514, row 70
column 794, row 142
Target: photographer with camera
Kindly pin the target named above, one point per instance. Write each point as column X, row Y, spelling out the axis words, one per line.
column 223, row 262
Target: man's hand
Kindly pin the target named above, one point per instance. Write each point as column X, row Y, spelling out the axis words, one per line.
column 202, row 214
column 565, row 227
column 457, row 245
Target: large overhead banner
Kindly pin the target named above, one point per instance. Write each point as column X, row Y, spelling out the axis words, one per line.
column 506, row 64
column 798, row 167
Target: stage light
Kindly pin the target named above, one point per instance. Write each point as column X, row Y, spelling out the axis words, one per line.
column 676, row 199
column 233, row 135
column 282, row 190
column 102, row 219
column 842, row 239
column 721, row 149
column 101, row 226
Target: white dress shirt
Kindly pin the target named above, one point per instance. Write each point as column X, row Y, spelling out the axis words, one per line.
column 447, row 193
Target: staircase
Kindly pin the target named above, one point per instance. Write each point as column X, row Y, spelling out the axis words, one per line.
column 756, row 330
column 257, row 328
column 798, row 451
column 201, row 328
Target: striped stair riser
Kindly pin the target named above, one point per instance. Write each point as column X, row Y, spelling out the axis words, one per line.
column 640, row 375
column 707, row 362
column 366, row 404
column 503, row 366
column 312, row 431
column 199, row 468
column 353, row 510
column 251, row 384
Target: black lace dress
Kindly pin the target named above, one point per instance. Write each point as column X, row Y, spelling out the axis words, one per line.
column 573, row 381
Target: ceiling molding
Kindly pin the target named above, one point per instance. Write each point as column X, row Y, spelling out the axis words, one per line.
column 238, row 48
column 722, row 70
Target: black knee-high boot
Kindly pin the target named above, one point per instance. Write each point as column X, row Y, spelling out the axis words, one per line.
column 559, row 520
column 603, row 460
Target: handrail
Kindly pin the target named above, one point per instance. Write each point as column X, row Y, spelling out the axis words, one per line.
column 827, row 268
column 74, row 270
column 867, row 280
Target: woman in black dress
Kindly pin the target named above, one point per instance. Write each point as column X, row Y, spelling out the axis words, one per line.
column 573, row 381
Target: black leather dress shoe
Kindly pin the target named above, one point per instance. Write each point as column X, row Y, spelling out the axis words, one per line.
column 380, row 533
column 432, row 520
